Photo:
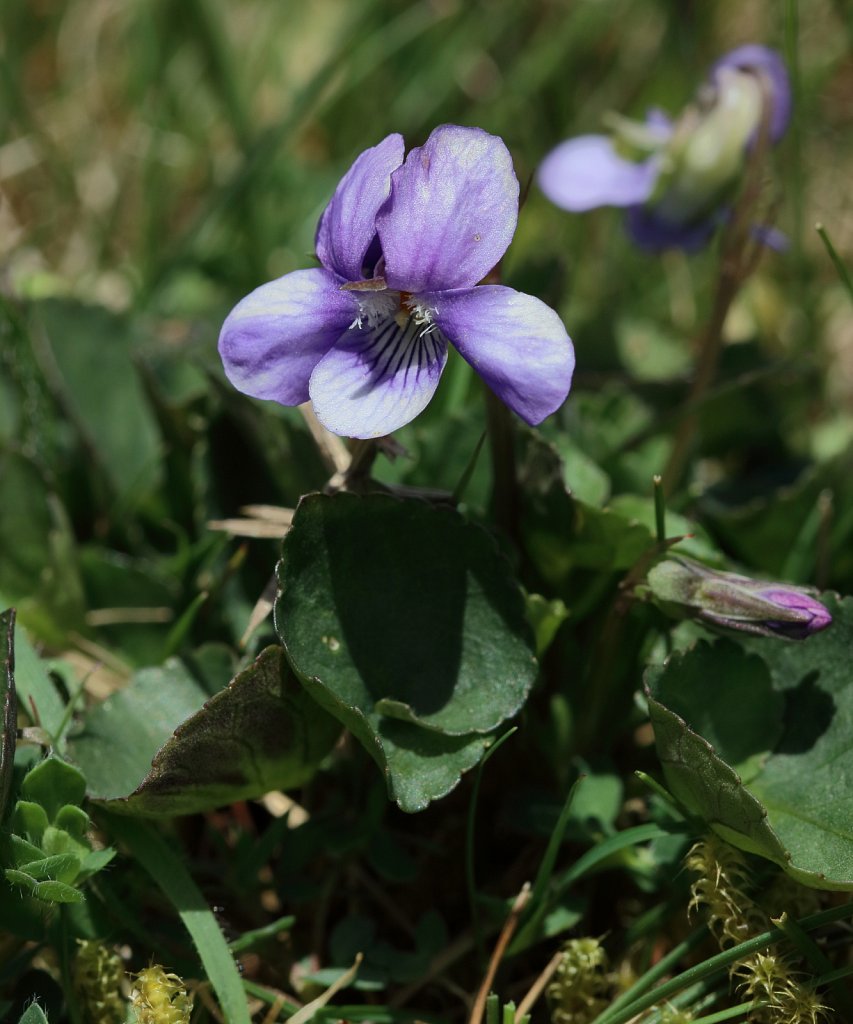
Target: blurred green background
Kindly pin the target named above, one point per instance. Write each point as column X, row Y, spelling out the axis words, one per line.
column 166, row 154
column 158, row 160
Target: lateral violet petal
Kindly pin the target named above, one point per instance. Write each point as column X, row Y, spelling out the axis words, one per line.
column 272, row 340
column 516, row 343
column 348, row 224
column 586, row 172
column 769, row 63
column 376, row 380
column 452, row 212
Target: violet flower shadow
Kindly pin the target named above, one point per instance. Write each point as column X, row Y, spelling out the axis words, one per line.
column 402, row 624
column 809, row 712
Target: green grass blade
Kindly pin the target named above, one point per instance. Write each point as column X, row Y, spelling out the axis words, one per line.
column 169, row 872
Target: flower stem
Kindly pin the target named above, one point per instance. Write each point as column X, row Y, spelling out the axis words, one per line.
column 739, row 256
column 505, row 484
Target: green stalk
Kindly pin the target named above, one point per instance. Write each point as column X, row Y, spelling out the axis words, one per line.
column 817, row 960
column 662, row 967
column 469, row 847
column 733, row 1011
column 837, row 262
column 269, row 931
column 504, row 480
column 538, row 898
column 169, row 872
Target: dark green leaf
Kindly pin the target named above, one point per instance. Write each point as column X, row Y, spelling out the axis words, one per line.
column 422, row 766
column 728, row 698
column 157, row 748
column 399, row 603
column 262, row 732
column 400, row 617
column 710, row 788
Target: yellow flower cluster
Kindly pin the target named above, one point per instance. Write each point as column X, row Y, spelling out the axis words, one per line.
column 98, row 974
column 577, row 992
column 767, row 978
column 160, row 998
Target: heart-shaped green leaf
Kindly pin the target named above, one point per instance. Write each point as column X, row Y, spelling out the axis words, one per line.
column 405, row 622
column 782, row 714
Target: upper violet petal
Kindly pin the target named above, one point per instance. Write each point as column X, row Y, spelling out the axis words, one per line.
column 769, row 63
column 452, row 211
column 516, row 343
column 586, row 172
column 376, row 380
column 273, row 339
column 348, row 224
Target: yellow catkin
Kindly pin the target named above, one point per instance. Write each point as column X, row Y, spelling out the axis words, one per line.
column 160, row 998
column 733, row 916
column 576, row 993
column 97, row 977
column 721, row 889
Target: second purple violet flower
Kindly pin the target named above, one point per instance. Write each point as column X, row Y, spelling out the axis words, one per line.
column 675, row 177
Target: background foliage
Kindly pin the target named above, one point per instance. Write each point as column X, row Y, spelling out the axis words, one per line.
column 158, row 161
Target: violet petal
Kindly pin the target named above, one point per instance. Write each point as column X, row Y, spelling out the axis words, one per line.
column 815, row 615
column 377, row 380
column 586, row 172
column 452, row 211
column 516, row 343
column 273, row 339
column 348, row 224
column 761, row 59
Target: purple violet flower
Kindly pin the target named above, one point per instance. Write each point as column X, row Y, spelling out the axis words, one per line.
column 674, row 177
column 402, row 245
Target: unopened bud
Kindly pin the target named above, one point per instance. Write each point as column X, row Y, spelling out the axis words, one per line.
column 689, row 589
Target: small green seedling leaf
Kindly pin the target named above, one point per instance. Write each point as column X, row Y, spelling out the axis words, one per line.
column 33, row 1014
column 53, row 783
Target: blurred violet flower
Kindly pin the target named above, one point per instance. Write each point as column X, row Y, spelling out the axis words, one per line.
column 674, row 178
column 402, row 245
column 685, row 587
